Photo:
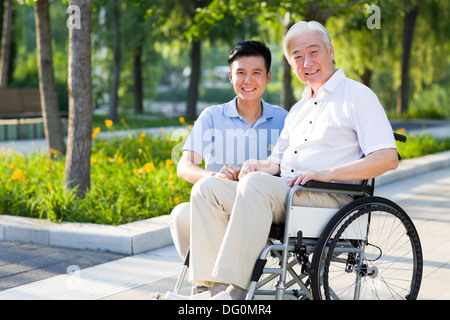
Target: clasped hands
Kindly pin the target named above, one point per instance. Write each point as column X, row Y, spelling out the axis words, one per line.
column 232, row 172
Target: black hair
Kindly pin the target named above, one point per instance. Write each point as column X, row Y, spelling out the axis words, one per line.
column 251, row 48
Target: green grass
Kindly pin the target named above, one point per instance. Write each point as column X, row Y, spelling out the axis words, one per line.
column 132, row 178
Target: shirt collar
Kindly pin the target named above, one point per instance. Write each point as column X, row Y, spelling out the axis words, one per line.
column 329, row 86
column 230, row 109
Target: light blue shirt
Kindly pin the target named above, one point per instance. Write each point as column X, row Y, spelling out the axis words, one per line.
column 222, row 137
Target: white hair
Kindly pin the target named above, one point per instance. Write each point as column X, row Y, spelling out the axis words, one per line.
column 302, row 27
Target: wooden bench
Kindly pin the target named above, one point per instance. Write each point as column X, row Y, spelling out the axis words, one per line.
column 20, row 107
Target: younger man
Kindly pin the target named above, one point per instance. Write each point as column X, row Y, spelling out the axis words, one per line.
column 227, row 135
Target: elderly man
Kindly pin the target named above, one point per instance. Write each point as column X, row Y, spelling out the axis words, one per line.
column 338, row 131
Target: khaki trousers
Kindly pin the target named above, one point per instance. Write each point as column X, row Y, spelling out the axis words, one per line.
column 179, row 222
column 230, row 224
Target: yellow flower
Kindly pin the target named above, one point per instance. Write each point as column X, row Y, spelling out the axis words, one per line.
column 142, row 135
column 149, row 167
column 182, row 120
column 54, row 152
column 168, row 163
column 13, row 166
column 18, row 175
column 176, row 200
column 95, row 132
column 119, row 160
column 108, row 123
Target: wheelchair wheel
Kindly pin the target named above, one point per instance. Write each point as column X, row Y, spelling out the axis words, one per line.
column 369, row 250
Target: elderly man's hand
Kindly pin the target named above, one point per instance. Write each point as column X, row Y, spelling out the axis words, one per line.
column 249, row 166
column 304, row 177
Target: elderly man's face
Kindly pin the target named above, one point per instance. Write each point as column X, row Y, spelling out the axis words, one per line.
column 311, row 60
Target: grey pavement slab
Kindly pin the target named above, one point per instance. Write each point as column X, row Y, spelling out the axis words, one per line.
column 23, row 263
column 426, row 199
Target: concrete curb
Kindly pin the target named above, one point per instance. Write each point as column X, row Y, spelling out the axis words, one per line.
column 413, row 167
column 141, row 236
column 132, row 238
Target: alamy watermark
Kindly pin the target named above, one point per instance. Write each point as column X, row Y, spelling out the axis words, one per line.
column 226, row 146
column 73, row 281
column 374, row 21
column 74, row 20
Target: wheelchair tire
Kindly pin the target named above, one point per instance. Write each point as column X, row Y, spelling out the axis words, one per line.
column 370, row 249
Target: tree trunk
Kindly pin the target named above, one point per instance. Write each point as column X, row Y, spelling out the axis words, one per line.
column 191, row 110
column 78, row 159
column 287, row 99
column 114, row 98
column 366, row 77
column 408, row 34
column 49, row 100
column 138, row 96
column 5, row 49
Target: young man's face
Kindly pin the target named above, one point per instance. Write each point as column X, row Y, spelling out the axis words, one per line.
column 311, row 60
column 249, row 77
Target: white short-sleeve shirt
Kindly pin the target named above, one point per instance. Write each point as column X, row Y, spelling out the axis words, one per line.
column 342, row 124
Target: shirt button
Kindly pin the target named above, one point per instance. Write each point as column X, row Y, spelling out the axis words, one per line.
column 306, row 139
column 315, row 103
column 310, row 122
column 295, row 151
column 292, row 170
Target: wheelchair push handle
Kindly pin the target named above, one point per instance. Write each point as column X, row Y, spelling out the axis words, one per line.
column 399, row 137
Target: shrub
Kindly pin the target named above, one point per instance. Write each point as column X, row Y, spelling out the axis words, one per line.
column 132, row 178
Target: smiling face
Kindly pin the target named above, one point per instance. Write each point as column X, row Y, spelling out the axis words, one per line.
column 311, row 60
column 249, row 77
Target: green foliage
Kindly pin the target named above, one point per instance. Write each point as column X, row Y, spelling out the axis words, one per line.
column 166, row 28
column 420, row 145
column 132, row 179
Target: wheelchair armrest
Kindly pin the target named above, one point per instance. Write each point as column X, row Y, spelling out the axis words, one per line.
column 340, row 187
column 330, row 187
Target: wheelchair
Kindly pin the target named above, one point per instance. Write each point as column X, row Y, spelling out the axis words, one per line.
column 367, row 250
